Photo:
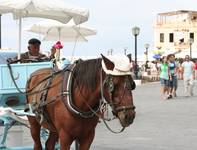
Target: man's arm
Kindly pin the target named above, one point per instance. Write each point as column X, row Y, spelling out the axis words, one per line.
column 15, row 59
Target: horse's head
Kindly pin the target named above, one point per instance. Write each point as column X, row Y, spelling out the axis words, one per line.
column 117, row 88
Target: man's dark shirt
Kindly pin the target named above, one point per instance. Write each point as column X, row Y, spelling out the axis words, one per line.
column 26, row 57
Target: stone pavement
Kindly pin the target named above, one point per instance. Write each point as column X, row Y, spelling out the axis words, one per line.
column 159, row 124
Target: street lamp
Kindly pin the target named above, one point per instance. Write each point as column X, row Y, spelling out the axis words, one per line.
column 146, row 47
column 135, row 32
column 125, row 50
column 109, row 52
column 191, row 41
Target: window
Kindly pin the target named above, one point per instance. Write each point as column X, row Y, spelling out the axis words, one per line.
column 161, row 37
column 191, row 35
column 171, row 37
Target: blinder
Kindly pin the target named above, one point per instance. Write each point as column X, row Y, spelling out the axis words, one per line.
column 129, row 85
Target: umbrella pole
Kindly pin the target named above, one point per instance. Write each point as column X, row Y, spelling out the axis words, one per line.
column 59, row 33
column 19, row 38
column 57, row 54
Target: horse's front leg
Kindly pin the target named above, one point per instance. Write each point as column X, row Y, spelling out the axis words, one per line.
column 86, row 141
column 65, row 140
column 51, row 141
column 35, row 133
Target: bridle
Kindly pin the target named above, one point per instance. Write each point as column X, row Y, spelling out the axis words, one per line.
column 93, row 111
column 108, row 82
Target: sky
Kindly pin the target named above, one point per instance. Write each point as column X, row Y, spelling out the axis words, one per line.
column 113, row 20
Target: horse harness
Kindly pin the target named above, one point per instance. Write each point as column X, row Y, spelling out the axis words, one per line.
column 108, row 82
column 68, row 100
column 66, row 94
column 40, row 100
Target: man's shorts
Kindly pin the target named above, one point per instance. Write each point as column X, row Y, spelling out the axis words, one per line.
column 173, row 82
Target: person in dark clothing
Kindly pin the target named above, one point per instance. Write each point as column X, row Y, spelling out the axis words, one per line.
column 173, row 70
column 33, row 54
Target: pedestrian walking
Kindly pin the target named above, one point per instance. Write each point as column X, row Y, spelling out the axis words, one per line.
column 164, row 77
column 173, row 70
column 188, row 75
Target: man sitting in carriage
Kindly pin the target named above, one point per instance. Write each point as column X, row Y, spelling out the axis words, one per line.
column 33, row 54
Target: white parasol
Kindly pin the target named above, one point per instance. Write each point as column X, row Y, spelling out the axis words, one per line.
column 56, row 31
column 51, row 9
column 53, row 31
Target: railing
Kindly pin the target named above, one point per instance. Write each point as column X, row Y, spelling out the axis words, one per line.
column 176, row 23
column 183, row 45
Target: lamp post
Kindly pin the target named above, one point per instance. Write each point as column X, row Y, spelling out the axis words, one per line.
column 191, row 41
column 146, row 47
column 125, row 50
column 135, row 32
column 110, row 52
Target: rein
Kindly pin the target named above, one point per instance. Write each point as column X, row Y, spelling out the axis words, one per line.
column 103, row 100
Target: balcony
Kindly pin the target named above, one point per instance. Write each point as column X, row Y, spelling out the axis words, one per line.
column 183, row 45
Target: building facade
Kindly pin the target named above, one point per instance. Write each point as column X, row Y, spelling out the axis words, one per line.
column 176, row 31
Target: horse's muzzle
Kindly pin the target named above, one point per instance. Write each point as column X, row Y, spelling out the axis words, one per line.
column 126, row 115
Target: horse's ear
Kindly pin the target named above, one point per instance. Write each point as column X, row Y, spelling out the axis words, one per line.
column 109, row 65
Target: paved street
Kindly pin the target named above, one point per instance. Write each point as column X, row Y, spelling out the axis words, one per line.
column 159, row 124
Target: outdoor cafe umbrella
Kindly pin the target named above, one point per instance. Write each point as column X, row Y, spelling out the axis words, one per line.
column 51, row 9
column 53, row 31
column 56, row 31
column 157, row 56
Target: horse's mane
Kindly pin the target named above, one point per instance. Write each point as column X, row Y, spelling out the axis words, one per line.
column 85, row 73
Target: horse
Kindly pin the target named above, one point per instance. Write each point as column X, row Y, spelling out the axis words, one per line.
column 68, row 102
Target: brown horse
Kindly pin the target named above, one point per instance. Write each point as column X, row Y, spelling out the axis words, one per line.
column 69, row 101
